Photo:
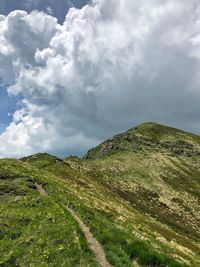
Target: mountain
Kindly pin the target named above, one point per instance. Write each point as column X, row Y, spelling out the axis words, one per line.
column 137, row 194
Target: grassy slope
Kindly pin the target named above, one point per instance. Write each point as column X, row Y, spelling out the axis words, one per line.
column 156, row 169
column 138, row 192
column 36, row 230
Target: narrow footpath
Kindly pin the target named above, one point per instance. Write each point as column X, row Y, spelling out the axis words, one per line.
column 93, row 244
column 40, row 189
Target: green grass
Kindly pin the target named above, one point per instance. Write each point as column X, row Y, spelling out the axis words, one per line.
column 122, row 247
column 37, row 231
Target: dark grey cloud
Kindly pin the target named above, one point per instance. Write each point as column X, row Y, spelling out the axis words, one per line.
column 110, row 66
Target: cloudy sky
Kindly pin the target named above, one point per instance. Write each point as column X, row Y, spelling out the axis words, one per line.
column 75, row 72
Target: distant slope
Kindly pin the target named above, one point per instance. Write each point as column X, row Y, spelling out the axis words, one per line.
column 156, row 169
column 150, row 136
column 138, row 192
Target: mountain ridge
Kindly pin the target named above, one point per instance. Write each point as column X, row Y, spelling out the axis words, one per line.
column 146, row 134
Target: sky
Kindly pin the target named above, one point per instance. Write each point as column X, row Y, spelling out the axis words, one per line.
column 73, row 73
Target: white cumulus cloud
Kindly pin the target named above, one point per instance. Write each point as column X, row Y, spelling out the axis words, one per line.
column 110, row 65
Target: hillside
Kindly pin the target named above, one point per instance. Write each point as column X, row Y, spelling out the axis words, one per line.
column 138, row 192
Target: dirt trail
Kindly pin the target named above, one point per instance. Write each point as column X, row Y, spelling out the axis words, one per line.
column 40, row 189
column 92, row 242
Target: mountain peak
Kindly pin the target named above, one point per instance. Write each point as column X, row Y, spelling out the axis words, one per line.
column 149, row 136
column 149, row 127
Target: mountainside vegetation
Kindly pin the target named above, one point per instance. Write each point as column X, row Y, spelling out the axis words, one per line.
column 138, row 192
